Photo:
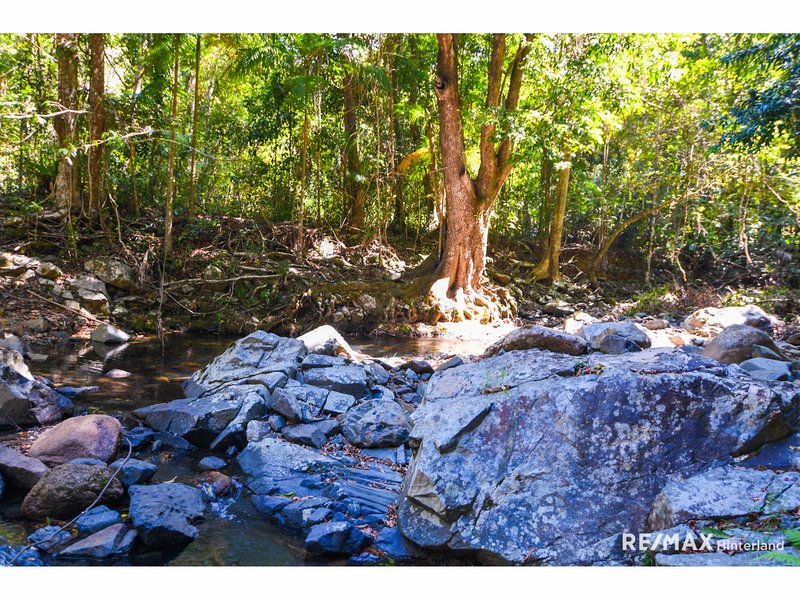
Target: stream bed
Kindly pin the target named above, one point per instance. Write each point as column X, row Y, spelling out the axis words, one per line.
column 234, row 533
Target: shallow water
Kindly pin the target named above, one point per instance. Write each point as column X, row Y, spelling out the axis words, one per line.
column 234, row 532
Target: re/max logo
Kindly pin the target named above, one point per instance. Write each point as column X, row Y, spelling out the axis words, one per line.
column 700, row 542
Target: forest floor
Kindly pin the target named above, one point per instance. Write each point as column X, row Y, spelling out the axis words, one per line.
column 231, row 275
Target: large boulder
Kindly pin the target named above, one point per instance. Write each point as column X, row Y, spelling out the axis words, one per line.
column 108, row 334
column 615, row 338
column 326, row 340
column 336, row 538
column 710, row 321
column 164, row 514
column 534, row 457
column 537, row 336
column 345, row 379
column 68, row 489
column 735, row 344
column 376, row 424
column 20, row 470
column 25, row 401
column 88, row 436
column 113, row 272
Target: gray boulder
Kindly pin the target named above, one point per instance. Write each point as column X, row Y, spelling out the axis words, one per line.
column 711, row 321
column 767, row 369
column 615, row 338
column 95, row 519
column 25, row 401
column 87, row 436
column 347, row 379
column 735, row 344
column 376, row 424
column 536, row 336
column 49, row 538
column 164, row 514
column 133, row 471
column 68, row 489
column 112, row 541
column 113, row 272
column 20, row 470
column 326, row 340
column 336, row 538
column 518, row 459
column 108, row 334
column 308, row 434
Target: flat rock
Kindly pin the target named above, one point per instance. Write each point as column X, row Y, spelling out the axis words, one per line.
column 133, row 471
column 68, row 489
column 336, row 538
column 95, row 519
column 112, row 541
column 164, row 513
column 767, row 369
column 88, row 436
column 21, row 470
column 347, row 379
column 615, row 338
column 536, row 336
column 212, row 463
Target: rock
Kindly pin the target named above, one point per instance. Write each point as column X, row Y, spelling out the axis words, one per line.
column 13, row 342
column 164, row 513
column 215, row 484
column 108, row 334
column 451, row 363
column 258, row 430
column 12, row 265
column 379, row 375
column 96, row 519
column 270, row 505
column 88, row 283
column 39, row 325
column 783, row 455
column 49, row 538
column 711, row 321
column 573, row 324
column 396, row 455
column 68, row 489
column 417, row 366
column 392, row 543
column 20, row 470
column 735, row 344
column 720, row 559
column 2, row 486
column 376, row 424
column 615, row 338
column 48, row 271
column 118, row 374
column 212, row 463
column 12, row 366
column 319, row 361
column 347, row 379
column 25, row 401
column 336, row 539
column 112, row 541
column 763, row 352
column 20, row 556
column 88, row 436
column 214, row 278
column 656, row 324
column 272, row 455
column 326, row 340
column 558, row 308
column 518, row 459
column 767, row 369
column 113, row 272
column 536, row 336
column 88, row 461
column 275, row 423
column 310, row 434
column 288, row 406
column 338, row 404
column 133, row 471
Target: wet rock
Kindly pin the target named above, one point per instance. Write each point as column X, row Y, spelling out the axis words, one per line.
column 308, row 434
column 392, row 543
column 376, row 424
column 711, row 321
column 138, row 436
column 735, row 344
column 108, row 334
column 48, row 271
column 326, row 340
column 112, row 541
column 113, row 272
column 536, row 336
column 88, row 461
column 96, row 519
column 336, row 539
column 133, row 471
column 519, row 459
column 68, row 489
column 767, row 369
column 25, row 401
column 20, row 470
column 417, row 366
column 615, row 338
column 15, row 556
column 270, row 505
column 212, row 463
column 347, row 379
column 88, row 436
column 49, row 538
column 164, row 513
column 215, row 484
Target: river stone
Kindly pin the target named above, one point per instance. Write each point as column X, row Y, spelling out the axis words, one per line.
column 326, row 340
column 274, row 455
column 376, row 424
column 88, row 436
column 68, row 489
column 25, row 401
column 735, row 344
column 724, row 492
column 347, row 379
column 113, row 272
column 164, row 513
column 108, row 334
column 711, row 321
column 20, row 470
column 49, row 538
column 336, row 538
column 536, row 336
column 112, row 541
column 518, row 460
column 308, row 434
column 212, row 463
column 48, row 271
column 615, row 338
column 392, row 543
column 95, row 519
column 254, row 357
column 768, row 369
column 22, row 557
column 133, row 471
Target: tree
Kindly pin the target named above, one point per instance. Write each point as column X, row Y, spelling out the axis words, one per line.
column 97, row 149
column 171, row 162
column 66, row 121
column 456, row 284
column 354, row 190
column 195, row 104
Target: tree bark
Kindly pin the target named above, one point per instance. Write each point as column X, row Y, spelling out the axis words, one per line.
column 66, row 124
column 549, row 266
column 97, row 151
column 171, row 163
column 354, row 190
column 195, row 105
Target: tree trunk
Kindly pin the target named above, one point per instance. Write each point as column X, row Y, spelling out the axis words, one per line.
column 171, row 163
column 549, row 265
column 195, row 104
column 97, row 150
column 354, row 191
column 66, row 124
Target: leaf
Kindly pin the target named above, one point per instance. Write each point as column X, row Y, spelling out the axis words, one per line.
column 783, row 557
column 793, row 536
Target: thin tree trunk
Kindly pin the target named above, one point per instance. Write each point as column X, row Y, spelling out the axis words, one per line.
column 193, row 167
column 354, row 191
column 171, row 163
column 66, row 124
column 97, row 150
column 549, row 265
column 299, row 251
